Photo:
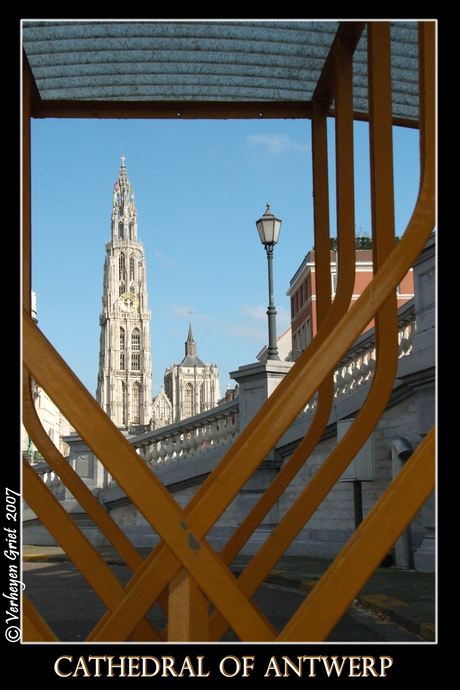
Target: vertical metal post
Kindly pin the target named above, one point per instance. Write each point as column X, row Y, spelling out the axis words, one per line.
column 358, row 502
column 271, row 311
column 187, row 610
column 27, row 95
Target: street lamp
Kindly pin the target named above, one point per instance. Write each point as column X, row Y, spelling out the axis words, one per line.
column 268, row 228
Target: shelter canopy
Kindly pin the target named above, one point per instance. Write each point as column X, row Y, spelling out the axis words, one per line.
column 221, row 61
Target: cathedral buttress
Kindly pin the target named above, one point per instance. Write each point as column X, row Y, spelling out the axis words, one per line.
column 124, row 386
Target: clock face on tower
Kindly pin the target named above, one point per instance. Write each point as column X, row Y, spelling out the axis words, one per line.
column 128, row 302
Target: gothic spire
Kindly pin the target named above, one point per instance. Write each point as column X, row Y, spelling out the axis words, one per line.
column 123, row 180
column 124, row 214
column 190, row 344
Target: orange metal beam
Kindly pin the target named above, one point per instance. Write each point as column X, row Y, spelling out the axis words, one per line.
column 187, row 611
column 27, row 88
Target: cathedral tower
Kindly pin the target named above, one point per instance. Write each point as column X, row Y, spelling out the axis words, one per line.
column 124, row 386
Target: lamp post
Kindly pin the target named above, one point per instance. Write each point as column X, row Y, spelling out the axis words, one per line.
column 269, row 229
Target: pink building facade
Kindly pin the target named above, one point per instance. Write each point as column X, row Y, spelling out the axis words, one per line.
column 302, row 292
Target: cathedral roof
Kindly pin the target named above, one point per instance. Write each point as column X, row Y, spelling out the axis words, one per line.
column 192, row 361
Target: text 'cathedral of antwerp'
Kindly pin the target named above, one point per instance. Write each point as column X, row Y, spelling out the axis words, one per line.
column 124, row 385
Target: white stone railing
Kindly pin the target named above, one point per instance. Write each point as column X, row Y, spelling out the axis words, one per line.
column 194, row 436
column 220, row 426
column 49, row 477
column 357, row 367
column 215, row 428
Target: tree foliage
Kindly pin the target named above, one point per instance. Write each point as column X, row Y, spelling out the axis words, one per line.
column 362, row 242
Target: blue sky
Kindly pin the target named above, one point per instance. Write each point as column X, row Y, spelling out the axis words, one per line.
column 199, row 188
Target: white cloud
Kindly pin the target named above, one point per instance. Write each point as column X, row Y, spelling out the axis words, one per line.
column 166, row 260
column 249, row 311
column 278, row 143
column 253, row 323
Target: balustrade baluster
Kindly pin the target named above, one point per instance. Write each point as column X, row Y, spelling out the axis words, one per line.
column 371, row 362
column 192, row 441
column 153, row 453
column 214, row 432
column 161, row 451
column 169, row 448
column 405, row 336
column 355, row 373
column 364, row 369
column 184, row 444
column 206, row 436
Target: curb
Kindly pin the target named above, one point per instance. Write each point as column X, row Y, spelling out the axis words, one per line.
column 63, row 558
column 44, row 558
column 401, row 613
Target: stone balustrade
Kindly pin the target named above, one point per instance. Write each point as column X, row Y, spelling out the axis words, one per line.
column 357, row 367
column 49, row 477
column 196, row 435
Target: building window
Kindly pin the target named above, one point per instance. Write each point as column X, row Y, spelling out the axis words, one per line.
column 309, row 332
column 131, row 267
column 334, row 282
column 122, row 348
column 161, row 409
column 136, row 404
column 188, row 400
column 135, row 350
column 121, row 268
column 120, row 231
column 123, row 403
column 135, row 340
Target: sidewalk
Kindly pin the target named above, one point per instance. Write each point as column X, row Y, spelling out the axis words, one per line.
column 405, row 597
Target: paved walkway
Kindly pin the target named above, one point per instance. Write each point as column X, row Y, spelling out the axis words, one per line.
column 405, row 597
